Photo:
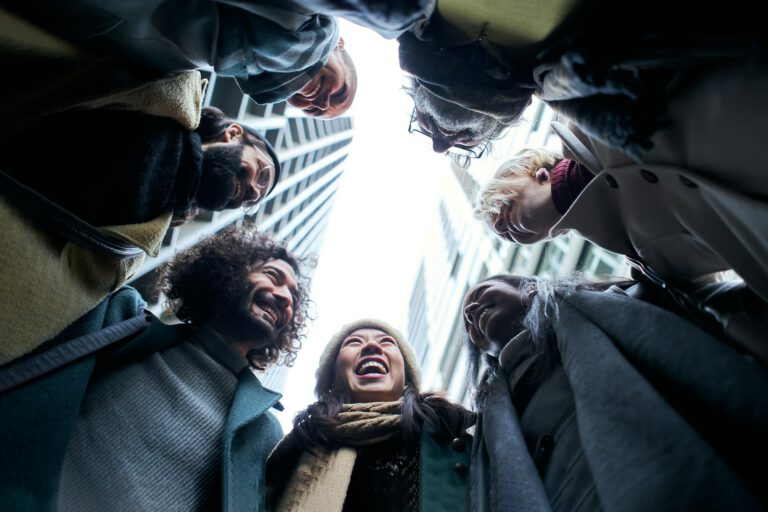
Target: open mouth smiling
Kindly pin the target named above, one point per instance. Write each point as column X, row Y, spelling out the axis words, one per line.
column 269, row 311
column 373, row 366
column 314, row 92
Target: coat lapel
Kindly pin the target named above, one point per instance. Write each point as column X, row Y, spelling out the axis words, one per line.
column 249, row 436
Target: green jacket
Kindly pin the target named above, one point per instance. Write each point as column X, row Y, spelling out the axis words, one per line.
column 443, row 472
column 38, row 416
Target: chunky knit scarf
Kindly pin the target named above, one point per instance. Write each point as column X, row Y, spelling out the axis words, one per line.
column 320, row 480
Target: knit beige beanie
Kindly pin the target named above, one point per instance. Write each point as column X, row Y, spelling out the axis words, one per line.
column 326, row 369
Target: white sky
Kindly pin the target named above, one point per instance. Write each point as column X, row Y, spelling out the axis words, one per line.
column 373, row 242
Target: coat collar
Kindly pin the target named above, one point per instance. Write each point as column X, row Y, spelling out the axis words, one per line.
column 251, row 400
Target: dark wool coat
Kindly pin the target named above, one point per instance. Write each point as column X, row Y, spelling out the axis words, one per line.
column 611, row 77
column 644, row 411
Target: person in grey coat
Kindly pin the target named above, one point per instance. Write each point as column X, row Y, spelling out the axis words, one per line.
column 594, row 400
column 185, row 424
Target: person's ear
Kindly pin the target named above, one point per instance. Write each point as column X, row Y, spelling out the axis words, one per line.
column 542, row 175
column 233, row 132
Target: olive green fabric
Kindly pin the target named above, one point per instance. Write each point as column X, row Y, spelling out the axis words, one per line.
column 505, row 23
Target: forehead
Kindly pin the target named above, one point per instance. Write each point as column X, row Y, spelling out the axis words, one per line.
column 482, row 285
column 369, row 333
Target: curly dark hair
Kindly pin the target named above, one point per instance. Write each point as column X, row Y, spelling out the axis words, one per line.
column 205, row 280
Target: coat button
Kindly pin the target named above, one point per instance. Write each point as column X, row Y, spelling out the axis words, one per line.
column 459, row 444
column 545, row 444
column 688, row 183
column 460, row 468
column 649, row 176
column 611, row 181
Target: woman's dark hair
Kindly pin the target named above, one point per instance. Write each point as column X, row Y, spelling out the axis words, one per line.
column 311, row 426
column 206, row 280
column 538, row 320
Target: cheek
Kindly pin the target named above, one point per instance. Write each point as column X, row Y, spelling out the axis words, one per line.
column 343, row 368
column 397, row 369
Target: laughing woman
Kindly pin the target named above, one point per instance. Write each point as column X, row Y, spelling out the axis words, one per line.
column 372, row 441
column 593, row 400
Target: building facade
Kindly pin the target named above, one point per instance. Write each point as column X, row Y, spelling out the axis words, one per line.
column 460, row 251
column 312, row 153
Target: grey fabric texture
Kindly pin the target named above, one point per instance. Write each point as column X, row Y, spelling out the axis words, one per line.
column 646, row 397
column 149, row 436
column 513, row 477
column 661, row 416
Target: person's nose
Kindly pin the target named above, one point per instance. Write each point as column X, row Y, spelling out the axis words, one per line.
column 499, row 224
column 469, row 312
column 440, row 145
column 284, row 300
column 283, row 295
column 252, row 193
column 321, row 102
column 371, row 347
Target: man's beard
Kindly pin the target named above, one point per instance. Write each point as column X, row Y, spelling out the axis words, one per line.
column 454, row 118
column 251, row 331
column 220, row 166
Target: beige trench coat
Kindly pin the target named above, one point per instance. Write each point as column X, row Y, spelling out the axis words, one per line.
column 698, row 202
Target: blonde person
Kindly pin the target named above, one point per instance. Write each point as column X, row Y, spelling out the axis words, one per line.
column 678, row 226
column 372, row 441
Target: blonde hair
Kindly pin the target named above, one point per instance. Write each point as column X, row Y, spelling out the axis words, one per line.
column 505, row 184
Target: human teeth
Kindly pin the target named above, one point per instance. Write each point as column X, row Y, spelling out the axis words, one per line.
column 375, row 366
column 314, row 90
column 269, row 311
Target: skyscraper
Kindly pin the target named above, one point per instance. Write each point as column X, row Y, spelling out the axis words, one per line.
column 312, row 153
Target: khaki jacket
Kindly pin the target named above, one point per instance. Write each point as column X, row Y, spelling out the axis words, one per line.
column 49, row 282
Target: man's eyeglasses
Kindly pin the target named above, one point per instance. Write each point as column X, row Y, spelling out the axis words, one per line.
column 263, row 180
column 459, row 150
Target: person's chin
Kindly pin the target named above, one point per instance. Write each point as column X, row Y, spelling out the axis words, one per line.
column 258, row 330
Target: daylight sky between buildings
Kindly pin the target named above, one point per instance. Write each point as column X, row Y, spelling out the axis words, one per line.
column 373, row 242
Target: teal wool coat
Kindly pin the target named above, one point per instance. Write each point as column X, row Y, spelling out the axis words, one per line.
column 38, row 416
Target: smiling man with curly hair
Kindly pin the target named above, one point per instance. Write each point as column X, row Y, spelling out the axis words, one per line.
column 187, row 427
column 248, row 287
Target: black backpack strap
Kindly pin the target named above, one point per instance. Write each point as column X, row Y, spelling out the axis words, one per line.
column 51, row 216
column 35, row 365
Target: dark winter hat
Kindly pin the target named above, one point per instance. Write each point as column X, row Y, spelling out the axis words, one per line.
column 326, row 369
